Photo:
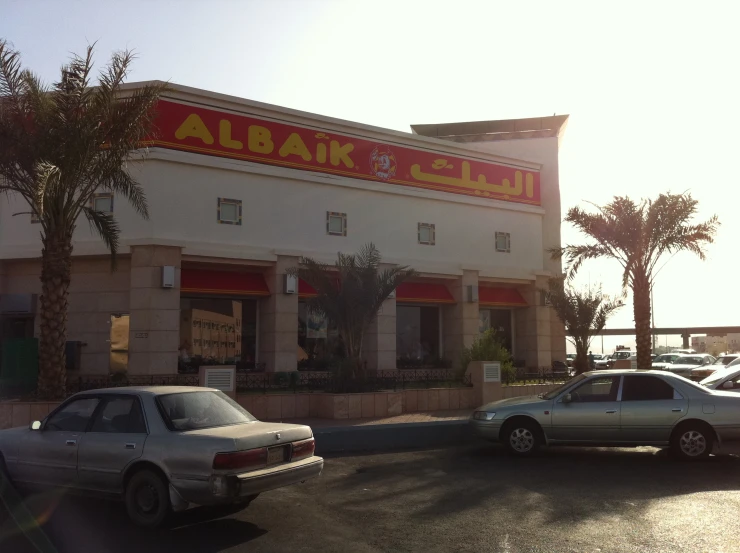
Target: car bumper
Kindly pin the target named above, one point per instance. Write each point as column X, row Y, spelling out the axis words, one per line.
column 488, row 430
column 233, row 488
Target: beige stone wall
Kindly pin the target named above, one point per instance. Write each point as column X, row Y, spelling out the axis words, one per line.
column 460, row 322
column 155, row 311
column 379, row 343
column 534, row 338
column 278, row 321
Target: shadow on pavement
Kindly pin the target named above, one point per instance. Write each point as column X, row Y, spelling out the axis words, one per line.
column 563, row 485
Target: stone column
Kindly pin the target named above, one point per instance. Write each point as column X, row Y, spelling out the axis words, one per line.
column 379, row 343
column 533, row 327
column 278, row 321
column 460, row 321
column 154, row 324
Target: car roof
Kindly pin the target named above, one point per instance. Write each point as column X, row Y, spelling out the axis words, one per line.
column 619, row 372
column 147, row 390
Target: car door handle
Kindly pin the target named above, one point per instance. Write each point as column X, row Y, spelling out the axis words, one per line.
column 130, row 446
column 677, row 410
column 611, row 411
column 72, row 442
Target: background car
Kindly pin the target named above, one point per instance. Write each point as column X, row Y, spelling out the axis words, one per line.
column 617, row 355
column 720, row 363
column 160, row 449
column 684, row 365
column 616, row 408
column 665, row 359
column 726, row 379
column 569, row 358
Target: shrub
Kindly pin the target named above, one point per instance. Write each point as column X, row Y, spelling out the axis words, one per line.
column 488, row 347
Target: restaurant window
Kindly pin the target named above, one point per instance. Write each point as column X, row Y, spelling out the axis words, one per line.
column 229, row 211
column 500, row 321
column 217, row 331
column 426, row 234
column 319, row 344
column 417, row 334
column 503, row 242
column 336, row 223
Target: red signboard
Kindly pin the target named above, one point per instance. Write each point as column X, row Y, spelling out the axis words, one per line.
column 218, row 133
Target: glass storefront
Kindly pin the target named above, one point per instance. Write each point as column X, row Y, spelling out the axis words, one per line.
column 217, row 331
column 417, row 333
column 500, row 320
column 318, row 341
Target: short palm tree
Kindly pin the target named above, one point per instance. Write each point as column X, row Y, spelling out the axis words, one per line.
column 583, row 313
column 60, row 145
column 637, row 235
column 350, row 293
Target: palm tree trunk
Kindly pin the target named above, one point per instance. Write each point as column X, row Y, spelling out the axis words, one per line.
column 580, row 364
column 643, row 332
column 56, row 261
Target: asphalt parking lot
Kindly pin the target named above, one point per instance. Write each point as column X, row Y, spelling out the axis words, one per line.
column 472, row 498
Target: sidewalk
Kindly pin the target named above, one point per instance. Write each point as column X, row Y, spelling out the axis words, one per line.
column 412, row 430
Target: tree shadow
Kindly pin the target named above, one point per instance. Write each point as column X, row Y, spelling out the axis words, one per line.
column 561, row 485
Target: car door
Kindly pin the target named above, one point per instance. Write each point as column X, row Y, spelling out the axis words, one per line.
column 591, row 415
column 650, row 409
column 115, row 439
column 49, row 455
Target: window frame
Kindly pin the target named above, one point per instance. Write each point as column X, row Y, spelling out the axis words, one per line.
column 104, row 399
column 62, row 406
column 646, row 376
column 506, row 236
column 432, row 234
column 336, row 215
column 617, row 395
column 230, row 201
column 100, row 196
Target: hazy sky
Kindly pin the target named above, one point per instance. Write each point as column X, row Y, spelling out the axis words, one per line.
column 652, row 89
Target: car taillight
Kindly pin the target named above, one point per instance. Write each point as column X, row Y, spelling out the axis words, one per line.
column 303, row 449
column 240, row 459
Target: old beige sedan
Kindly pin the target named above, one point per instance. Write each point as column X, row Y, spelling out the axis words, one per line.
column 617, row 408
column 161, row 449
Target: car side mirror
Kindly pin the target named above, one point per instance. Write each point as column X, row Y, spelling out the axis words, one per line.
column 567, row 398
column 35, row 425
column 728, row 384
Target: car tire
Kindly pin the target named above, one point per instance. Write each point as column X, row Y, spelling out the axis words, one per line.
column 522, row 438
column 147, row 499
column 692, row 441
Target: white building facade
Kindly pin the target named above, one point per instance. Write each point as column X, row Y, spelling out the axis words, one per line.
column 239, row 190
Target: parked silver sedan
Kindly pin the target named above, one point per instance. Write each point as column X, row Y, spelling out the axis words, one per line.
column 161, row 449
column 616, row 408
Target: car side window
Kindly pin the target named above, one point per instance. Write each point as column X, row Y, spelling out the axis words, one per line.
column 596, row 389
column 73, row 417
column 120, row 415
column 646, row 388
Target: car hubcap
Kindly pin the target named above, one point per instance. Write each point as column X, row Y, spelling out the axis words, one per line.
column 146, row 498
column 693, row 443
column 521, row 440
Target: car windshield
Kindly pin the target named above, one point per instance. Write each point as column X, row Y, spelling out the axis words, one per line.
column 689, row 361
column 196, row 410
column 667, row 358
column 553, row 393
column 726, row 360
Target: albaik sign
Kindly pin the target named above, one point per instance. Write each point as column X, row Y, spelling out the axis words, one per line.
column 217, row 133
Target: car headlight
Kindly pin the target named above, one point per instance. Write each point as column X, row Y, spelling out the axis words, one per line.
column 483, row 416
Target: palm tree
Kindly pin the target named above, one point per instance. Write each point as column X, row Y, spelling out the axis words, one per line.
column 583, row 313
column 350, row 293
column 59, row 145
column 637, row 235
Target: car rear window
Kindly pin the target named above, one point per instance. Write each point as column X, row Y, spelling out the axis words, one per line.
column 197, row 410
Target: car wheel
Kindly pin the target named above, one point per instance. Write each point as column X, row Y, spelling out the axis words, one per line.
column 692, row 441
column 522, row 438
column 147, row 499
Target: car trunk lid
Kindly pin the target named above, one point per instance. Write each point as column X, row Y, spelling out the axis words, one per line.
column 257, row 434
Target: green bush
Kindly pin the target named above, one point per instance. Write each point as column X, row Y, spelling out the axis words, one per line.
column 488, row 347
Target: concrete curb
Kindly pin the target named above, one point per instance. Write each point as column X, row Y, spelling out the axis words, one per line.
column 390, row 437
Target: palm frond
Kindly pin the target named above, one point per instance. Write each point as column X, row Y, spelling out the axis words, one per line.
column 107, row 228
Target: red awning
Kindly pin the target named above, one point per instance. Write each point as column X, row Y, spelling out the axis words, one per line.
column 305, row 290
column 489, row 296
column 423, row 292
column 223, row 282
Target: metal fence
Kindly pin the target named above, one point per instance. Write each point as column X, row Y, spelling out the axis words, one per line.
column 82, row 383
column 533, row 375
column 372, row 381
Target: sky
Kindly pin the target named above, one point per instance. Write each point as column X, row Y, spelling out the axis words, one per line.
column 651, row 89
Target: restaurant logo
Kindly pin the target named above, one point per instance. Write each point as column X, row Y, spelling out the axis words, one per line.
column 383, row 163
